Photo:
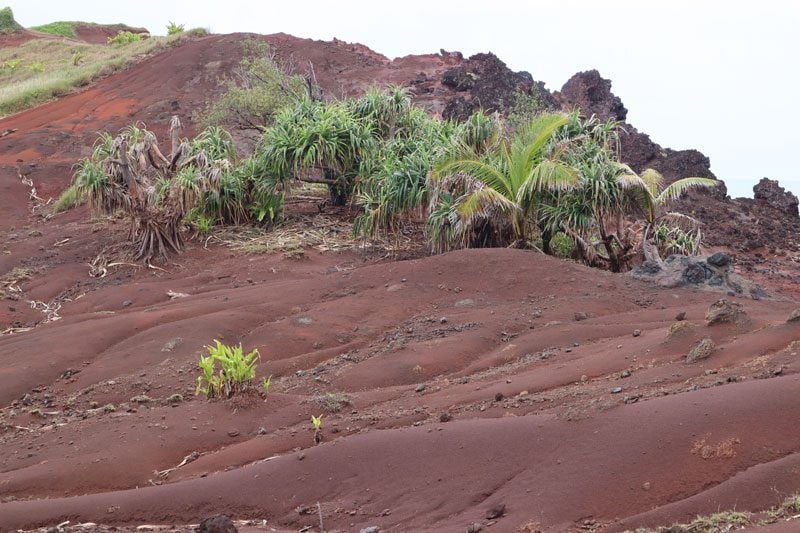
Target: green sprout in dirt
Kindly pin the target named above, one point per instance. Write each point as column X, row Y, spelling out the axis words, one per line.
column 316, row 421
column 173, row 29
column 236, row 372
column 266, row 383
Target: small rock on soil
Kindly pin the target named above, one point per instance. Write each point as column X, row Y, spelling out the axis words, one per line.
column 217, row 524
column 701, row 350
column 726, row 312
column 496, row 512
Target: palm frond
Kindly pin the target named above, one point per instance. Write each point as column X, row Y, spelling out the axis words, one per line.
column 653, row 179
column 674, row 190
column 481, row 170
column 548, row 175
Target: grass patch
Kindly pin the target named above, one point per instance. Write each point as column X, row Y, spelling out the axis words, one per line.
column 61, row 28
column 42, row 69
column 66, row 28
column 734, row 520
column 69, row 198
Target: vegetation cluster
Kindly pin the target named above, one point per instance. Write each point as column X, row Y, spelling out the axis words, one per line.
column 538, row 180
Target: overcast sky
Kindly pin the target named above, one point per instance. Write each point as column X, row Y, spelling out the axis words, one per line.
column 720, row 76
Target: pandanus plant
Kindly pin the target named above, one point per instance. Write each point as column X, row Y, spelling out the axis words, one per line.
column 129, row 173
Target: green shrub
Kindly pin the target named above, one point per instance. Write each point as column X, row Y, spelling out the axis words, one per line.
column 261, row 88
column 123, row 38
column 174, row 29
column 562, row 246
column 237, row 371
column 37, row 67
column 7, row 22
column 198, row 32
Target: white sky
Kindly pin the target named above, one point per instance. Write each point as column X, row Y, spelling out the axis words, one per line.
column 720, row 76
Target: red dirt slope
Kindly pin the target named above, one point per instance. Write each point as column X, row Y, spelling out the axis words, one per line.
column 558, row 447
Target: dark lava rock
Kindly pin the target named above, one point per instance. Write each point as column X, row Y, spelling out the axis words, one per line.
column 459, row 78
column 719, row 259
column 591, row 93
column 768, row 192
column 485, row 82
column 712, row 273
column 580, row 315
column 217, row 524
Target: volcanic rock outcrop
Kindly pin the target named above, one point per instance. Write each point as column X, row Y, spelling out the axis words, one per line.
column 768, row 193
column 485, row 82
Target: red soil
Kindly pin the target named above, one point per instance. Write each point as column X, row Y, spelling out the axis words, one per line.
column 20, row 37
column 535, row 421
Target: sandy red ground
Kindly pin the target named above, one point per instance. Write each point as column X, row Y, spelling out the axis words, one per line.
column 572, row 425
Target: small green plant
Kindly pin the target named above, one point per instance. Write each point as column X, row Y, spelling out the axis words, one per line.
column 316, row 422
column 174, row 29
column 37, row 67
column 236, row 373
column 11, row 64
column 77, row 58
column 266, row 382
column 198, row 220
column 209, row 382
column 675, row 240
column 123, row 38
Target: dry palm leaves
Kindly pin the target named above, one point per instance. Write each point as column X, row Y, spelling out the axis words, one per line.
column 320, row 232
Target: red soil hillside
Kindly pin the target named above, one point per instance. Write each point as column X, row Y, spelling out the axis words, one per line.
column 19, row 37
column 498, row 387
column 537, row 423
column 89, row 33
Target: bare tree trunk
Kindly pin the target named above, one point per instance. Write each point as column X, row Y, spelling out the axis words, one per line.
column 650, row 250
column 175, row 130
